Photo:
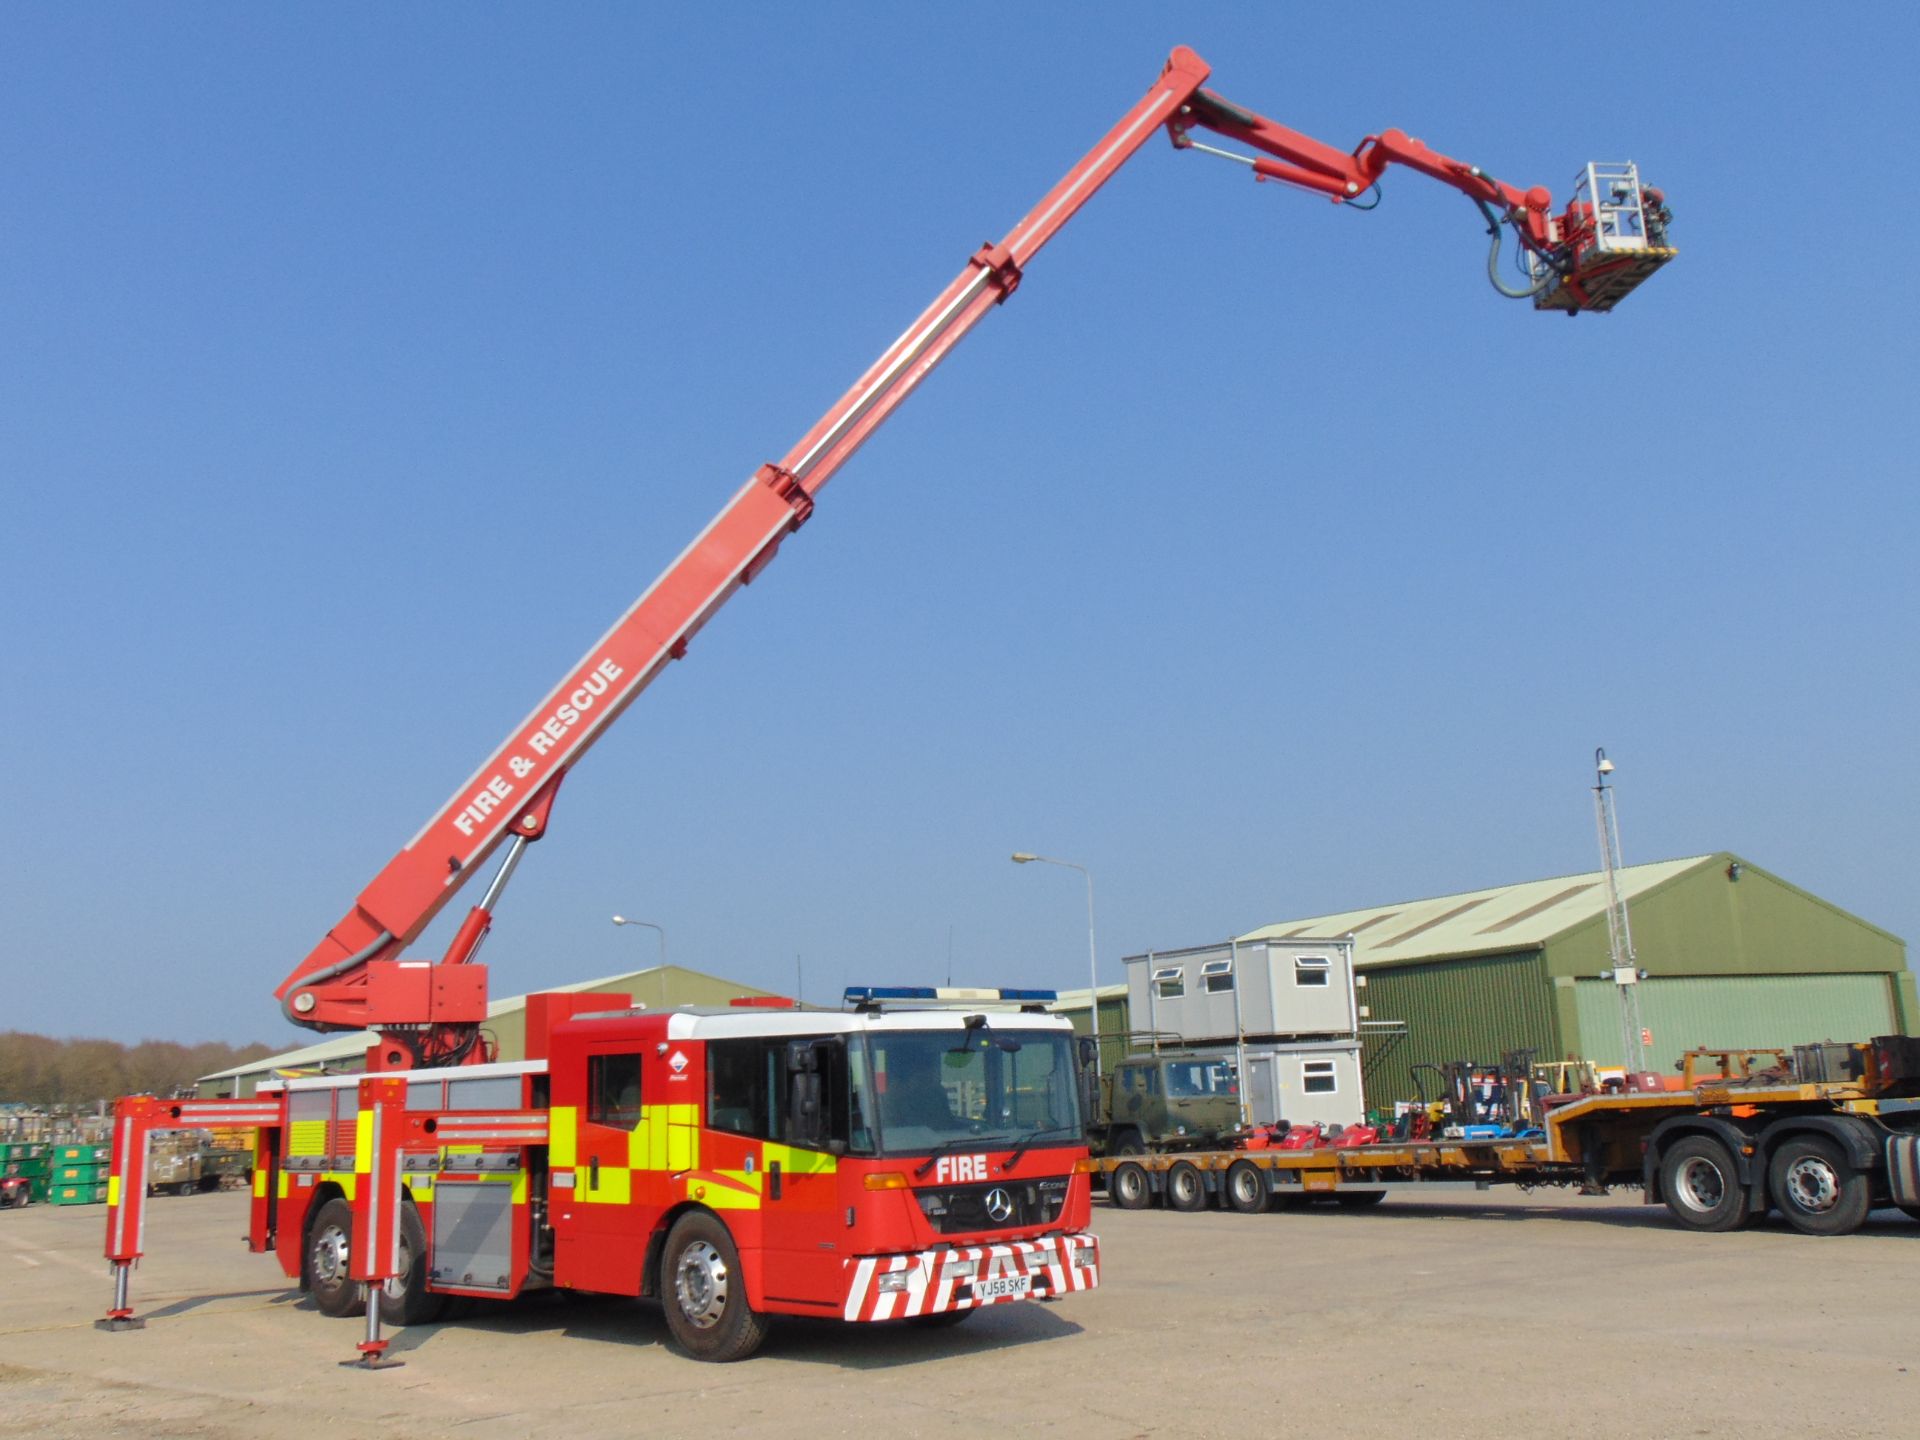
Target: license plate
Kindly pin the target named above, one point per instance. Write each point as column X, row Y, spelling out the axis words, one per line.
column 1007, row 1287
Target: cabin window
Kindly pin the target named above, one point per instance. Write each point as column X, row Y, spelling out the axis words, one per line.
column 1311, row 969
column 1170, row 983
column 1217, row 977
column 613, row 1091
column 1317, row 1077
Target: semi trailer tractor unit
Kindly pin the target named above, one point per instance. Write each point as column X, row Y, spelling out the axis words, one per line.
column 657, row 1197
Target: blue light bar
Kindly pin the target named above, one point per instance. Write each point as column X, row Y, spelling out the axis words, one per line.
column 945, row 995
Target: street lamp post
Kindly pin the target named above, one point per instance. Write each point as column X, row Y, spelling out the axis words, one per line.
column 1022, row 857
column 647, row 924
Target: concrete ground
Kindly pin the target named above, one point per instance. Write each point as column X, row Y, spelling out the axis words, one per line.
column 1454, row 1314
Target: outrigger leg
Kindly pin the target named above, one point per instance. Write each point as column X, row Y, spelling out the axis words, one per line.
column 121, row 1316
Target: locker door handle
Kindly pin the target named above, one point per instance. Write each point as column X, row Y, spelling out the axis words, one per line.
column 593, row 1173
column 773, row 1180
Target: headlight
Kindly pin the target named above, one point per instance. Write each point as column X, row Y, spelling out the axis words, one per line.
column 892, row 1282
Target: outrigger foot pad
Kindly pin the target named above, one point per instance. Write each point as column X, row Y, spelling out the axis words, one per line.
column 120, row 1322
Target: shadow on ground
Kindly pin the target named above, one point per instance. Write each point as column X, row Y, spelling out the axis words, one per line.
column 639, row 1324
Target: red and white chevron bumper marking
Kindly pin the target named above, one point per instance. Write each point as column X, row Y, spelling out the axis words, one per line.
column 939, row 1280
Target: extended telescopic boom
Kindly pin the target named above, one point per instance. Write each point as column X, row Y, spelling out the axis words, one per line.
column 1586, row 258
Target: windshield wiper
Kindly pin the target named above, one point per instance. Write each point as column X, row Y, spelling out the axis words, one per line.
column 963, row 1142
column 1027, row 1140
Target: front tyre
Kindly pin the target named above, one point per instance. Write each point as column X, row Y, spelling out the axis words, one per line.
column 1817, row 1188
column 329, row 1251
column 704, row 1293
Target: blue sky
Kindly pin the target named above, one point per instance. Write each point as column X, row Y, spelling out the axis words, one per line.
column 360, row 365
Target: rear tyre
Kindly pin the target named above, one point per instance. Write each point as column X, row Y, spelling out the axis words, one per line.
column 405, row 1299
column 1127, row 1187
column 1358, row 1199
column 329, row 1252
column 705, row 1294
column 1246, row 1188
column 1701, row 1184
column 1186, row 1187
column 1817, row 1188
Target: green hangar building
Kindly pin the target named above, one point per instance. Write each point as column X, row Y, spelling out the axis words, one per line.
column 1735, row 958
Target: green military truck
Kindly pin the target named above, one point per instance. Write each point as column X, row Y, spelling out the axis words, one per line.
column 1169, row 1100
column 182, row 1163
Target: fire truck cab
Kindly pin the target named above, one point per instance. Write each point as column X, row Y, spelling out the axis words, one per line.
column 736, row 1164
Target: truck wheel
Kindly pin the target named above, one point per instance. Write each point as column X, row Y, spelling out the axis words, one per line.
column 405, row 1299
column 1127, row 1187
column 1358, row 1199
column 1127, row 1142
column 1702, row 1185
column 1186, row 1187
column 704, row 1293
column 183, row 1187
column 1246, row 1187
column 329, row 1252
column 1816, row 1188
column 1912, row 1212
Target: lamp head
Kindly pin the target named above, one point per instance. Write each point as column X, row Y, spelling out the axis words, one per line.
column 619, row 919
column 1021, row 857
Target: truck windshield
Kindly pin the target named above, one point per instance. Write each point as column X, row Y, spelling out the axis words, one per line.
column 933, row 1088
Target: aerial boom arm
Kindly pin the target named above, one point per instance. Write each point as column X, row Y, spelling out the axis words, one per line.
column 354, row 979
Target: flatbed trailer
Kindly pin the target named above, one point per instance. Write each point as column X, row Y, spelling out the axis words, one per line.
column 1718, row 1154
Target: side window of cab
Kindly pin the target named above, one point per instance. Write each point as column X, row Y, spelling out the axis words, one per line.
column 613, row 1091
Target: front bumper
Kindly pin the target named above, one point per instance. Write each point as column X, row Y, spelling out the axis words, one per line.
column 969, row 1276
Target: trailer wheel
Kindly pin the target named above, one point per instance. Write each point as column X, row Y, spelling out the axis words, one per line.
column 1816, row 1188
column 704, row 1293
column 1701, row 1184
column 1246, row 1187
column 1127, row 1187
column 1912, row 1212
column 329, row 1251
column 1186, row 1187
column 405, row 1299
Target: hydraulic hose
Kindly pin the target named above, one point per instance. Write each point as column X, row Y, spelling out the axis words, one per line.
column 1493, row 261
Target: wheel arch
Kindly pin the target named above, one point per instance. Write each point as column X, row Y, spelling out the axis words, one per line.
column 657, row 1241
column 1861, row 1144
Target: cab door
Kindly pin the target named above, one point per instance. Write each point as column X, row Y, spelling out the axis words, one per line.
column 600, row 1243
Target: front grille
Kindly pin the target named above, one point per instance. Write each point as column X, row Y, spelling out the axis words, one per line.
column 965, row 1209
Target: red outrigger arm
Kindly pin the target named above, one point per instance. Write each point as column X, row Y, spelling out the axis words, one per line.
column 354, row 979
column 135, row 1118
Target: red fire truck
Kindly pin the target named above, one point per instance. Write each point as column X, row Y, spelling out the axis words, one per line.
column 746, row 1164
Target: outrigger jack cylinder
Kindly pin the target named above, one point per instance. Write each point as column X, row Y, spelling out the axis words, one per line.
column 373, row 1349
column 121, row 1316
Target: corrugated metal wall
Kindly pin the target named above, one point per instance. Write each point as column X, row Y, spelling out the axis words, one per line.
column 1457, row 1010
column 1735, row 1011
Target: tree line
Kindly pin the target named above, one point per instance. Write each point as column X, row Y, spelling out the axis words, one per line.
column 40, row 1070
